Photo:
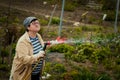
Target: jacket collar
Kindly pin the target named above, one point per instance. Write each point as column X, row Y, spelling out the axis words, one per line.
column 28, row 39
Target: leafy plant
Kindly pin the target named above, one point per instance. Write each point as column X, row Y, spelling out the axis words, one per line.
column 90, row 28
column 55, row 20
column 69, row 6
column 82, row 74
column 58, row 68
column 62, row 48
column 43, row 21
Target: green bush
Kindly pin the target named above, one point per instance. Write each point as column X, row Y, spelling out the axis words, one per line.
column 72, row 75
column 88, row 50
column 43, row 21
column 108, row 63
column 55, row 20
column 93, row 52
column 89, row 28
column 77, row 29
column 62, row 48
column 54, row 68
column 94, row 58
column 81, row 53
column 69, row 6
column 16, row 20
column 78, row 57
column 58, row 68
column 104, row 53
column 52, row 34
column 79, row 75
column 68, row 55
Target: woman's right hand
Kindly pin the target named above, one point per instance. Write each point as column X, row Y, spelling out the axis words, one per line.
column 41, row 54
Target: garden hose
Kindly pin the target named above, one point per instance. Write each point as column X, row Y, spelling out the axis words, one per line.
column 26, row 77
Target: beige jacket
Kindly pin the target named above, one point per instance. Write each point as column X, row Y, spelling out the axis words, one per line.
column 23, row 60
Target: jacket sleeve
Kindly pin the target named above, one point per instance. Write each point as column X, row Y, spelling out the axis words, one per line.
column 23, row 54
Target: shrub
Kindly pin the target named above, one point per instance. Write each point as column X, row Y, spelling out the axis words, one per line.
column 62, row 48
column 89, row 28
column 69, row 6
column 43, row 21
column 108, row 63
column 77, row 29
column 55, row 70
column 83, row 74
column 72, row 75
column 58, row 68
column 55, row 20
column 78, row 57
column 52, row 34
column 82, row 52
column 103, row 53
column 47, row 68
column 91, row 51
column 68, row 55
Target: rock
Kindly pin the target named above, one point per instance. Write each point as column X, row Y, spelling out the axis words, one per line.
column 76, row 24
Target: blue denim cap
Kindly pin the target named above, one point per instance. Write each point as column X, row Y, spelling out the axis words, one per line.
column 28, row 20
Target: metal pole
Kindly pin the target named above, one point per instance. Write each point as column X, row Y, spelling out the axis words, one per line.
column 60, row 26
column 52, row 15
column 117, row 9
column 0, row 47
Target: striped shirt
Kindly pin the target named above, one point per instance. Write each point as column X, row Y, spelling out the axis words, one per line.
column 36, row 48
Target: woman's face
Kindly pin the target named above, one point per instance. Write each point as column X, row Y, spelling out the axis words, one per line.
column 34, row 26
